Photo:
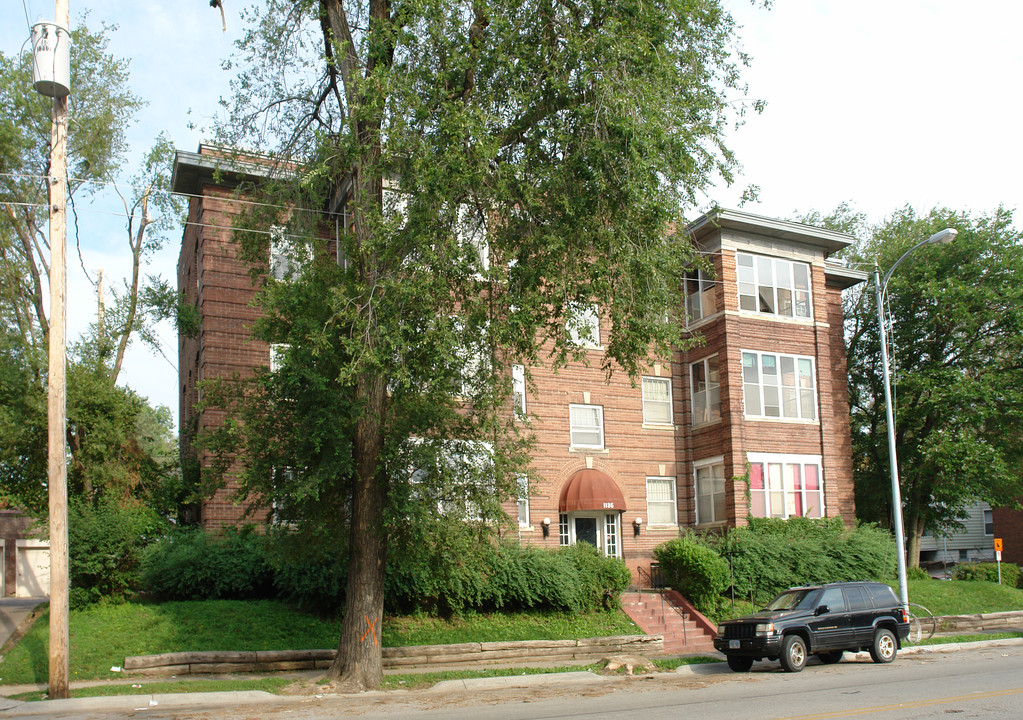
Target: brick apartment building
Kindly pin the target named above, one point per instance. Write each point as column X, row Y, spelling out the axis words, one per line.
column 621, row 465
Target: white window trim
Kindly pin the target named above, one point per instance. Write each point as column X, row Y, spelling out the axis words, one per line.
column 285, row 262
column 787, row 459
column 673, row 483
column 671, row 409
column 600, row 423
column 707, row 393
column 774, row 285
column 781, row 401
column 697, row 466
column 522, row 501
column 582, row 317
column 519, row 391
column 702, row 301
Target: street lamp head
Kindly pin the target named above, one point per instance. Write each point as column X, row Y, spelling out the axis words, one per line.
column 943, row 237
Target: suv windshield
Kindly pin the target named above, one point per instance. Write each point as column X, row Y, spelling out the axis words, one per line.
column 793, row 600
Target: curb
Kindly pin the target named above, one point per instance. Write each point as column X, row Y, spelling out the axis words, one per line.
column 176, row 701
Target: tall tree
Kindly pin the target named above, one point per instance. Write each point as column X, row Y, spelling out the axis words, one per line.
column 957, row 357
column 501, row 166
column 102, row 416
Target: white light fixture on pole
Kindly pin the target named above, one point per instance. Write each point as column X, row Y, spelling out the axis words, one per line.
column 939, row 238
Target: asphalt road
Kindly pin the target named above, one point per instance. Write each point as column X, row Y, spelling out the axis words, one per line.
column 969, row 682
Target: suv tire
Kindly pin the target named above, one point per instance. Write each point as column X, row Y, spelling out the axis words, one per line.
column 793, row 653
column 738, row 663
column 884, row 647
column 830, row 658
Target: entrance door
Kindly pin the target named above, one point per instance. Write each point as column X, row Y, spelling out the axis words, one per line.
column 586, row 530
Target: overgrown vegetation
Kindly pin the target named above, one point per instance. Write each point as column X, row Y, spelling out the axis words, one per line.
column 445, row 578
column 1010, row 574
column 755, row 562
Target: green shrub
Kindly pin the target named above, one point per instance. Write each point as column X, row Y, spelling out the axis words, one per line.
column 106, row 542
column 917, row 573
column 770, row 555
column 694, row 569
column 193, row 565
column 988, row 572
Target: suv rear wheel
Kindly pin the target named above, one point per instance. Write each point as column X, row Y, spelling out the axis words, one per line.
column 740, row 664
column 884, row 647
column 793, row 653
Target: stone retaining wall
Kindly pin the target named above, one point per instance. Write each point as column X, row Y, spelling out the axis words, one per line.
column 974, row 624
column 583, row 651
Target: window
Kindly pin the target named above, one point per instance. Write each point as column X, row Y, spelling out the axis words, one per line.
column 785, row 486
column 278, row 353
column 563, row 538
column 285, row 259
column 699, row 296
column 989, row 523
column 471, row 231
column 660, row 501
column 779, row 386
column 773, row 286
column 519, row 390
column 583, row 325
column 710, row 491
column 657, row 401
column 611, row 535
column 706, row 385
column 472, row 354
column 587, row 426
column 523, row 500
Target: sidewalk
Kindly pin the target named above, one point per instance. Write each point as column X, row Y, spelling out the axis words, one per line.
column 209, row 700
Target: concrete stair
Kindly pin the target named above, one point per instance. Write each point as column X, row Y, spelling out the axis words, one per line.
column 683, row 635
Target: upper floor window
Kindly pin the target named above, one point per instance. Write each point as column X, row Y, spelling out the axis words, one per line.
column 660, row 501
column 773, row 286
column 784, row 486
column 989, row 522
column 278, row 351
column 710, row 491
column 583, row 325
column 706, row 388
column 657, row 401
column 519, row 390
column 587, row 426
column 471, row 231
column 285, row 259
column 779, row 386
column 699, row 295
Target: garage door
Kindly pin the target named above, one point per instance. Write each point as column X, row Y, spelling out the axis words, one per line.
column 33, row 569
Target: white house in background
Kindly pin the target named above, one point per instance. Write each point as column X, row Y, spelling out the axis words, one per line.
column 974, row 544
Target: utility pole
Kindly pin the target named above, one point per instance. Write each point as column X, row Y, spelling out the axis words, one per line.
column 57, row 389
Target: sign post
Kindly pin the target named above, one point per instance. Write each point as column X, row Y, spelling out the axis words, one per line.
column 998, row 558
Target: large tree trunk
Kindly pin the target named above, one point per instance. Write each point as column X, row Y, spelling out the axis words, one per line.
column 359, row 661
column 914, row 533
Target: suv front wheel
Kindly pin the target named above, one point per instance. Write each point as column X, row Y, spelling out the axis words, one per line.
column 884, row 646
column 793, row 653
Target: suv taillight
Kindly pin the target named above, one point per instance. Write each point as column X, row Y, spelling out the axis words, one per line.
column 905, row 615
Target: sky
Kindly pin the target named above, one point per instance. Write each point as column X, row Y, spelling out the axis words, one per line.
column 876, row 103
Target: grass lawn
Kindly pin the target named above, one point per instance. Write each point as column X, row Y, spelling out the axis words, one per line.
column 103, row 635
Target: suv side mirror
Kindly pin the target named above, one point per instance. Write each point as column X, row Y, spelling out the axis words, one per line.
column 822, row 610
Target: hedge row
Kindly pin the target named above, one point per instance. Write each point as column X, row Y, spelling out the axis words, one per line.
column 486, row 576
column 759, row 560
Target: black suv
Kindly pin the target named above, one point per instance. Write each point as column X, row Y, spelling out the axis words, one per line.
column 822, row 620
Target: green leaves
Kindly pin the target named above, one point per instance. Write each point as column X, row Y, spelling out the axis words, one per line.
column 956, row 313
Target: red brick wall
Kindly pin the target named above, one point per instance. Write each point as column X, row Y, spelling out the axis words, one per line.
column 1009, row 527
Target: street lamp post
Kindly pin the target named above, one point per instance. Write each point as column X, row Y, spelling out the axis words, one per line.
column 940, row 238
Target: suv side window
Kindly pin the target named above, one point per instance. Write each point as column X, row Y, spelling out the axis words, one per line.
column 857, row 598
column 883, row 596
column 832, row 597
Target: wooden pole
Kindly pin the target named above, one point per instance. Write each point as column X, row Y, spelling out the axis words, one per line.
column 57, row 392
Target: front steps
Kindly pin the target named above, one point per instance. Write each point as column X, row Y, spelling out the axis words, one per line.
column 681, row 636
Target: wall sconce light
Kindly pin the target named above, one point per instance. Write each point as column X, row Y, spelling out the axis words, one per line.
column 546, row 526
column 636, row 524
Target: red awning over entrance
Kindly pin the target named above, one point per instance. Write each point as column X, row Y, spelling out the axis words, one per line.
column 591, row 490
